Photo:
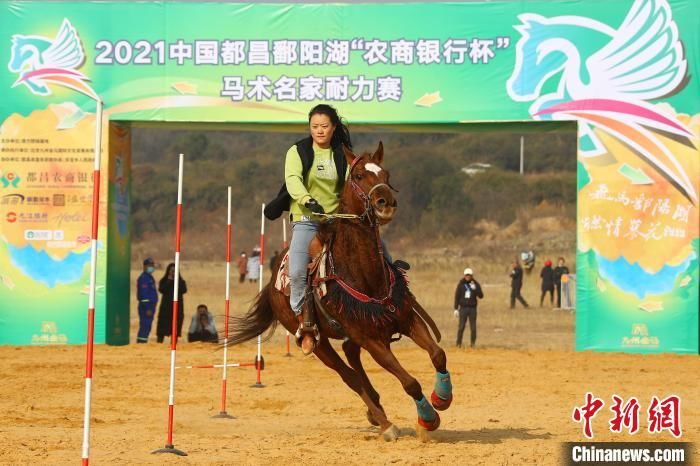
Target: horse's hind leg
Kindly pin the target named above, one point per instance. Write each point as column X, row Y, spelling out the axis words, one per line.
column 441, row 398
column 352, row 353
column 427, row 416
column 327, row 354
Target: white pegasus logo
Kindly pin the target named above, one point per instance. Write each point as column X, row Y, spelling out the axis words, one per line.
column 606, row 76
column 41, row 61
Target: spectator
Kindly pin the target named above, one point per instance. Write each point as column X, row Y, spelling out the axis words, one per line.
column 166, row 286
column 202, row 327
column 516, row 283
column 559, row 271
column 242, row 267
column 273, row 260
column 547, row 275
column 466, row 299
column 147, row 296
column 254, row 265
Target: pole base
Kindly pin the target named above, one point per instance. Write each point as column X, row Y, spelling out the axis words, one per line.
column 258, row 385
column 169, row 449
column 288, row 355
column 223, row 415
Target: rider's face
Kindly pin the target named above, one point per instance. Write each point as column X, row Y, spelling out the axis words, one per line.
column 321, row 129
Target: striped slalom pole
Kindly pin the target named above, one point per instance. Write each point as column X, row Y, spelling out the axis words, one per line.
column 258, row 359
column 169, row 447
column 217, row 366
column 284, row 246
column 284, row 233
column 223, row 414
column 93, row 276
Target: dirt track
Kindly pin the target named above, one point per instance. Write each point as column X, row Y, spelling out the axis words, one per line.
column 511, row 407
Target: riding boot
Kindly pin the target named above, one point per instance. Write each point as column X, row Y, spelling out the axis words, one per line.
column 307, row 333
column 402, row 264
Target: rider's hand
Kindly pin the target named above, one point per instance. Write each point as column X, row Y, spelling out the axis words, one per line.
column 313, row 205
column 456, row 313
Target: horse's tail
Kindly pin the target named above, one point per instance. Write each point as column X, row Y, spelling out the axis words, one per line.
column 259, row 318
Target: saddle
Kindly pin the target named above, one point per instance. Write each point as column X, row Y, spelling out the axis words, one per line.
column 317, row 273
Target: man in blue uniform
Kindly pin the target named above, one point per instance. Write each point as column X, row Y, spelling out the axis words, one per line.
column 147, row 295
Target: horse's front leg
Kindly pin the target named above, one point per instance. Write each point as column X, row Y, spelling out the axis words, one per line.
column 352, row 353
column 428, row 418
column 327, row 354
column 441, row 398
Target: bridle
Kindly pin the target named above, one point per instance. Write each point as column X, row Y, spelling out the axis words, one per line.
column 371, row 220
column 366, row 199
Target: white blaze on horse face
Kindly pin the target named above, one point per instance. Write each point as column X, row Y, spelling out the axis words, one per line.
column 373, row 167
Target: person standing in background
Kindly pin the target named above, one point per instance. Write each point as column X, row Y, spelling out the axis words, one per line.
column 559, row 271
column 516, row 284
column 253, row 271
column 147, row 296
column 467, row 294
column 242, row 267
column 547, row 276
column 166, row 286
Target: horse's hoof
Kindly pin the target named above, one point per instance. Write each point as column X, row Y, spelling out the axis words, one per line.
column 438, row 403
column 430, row 425
column 370, row 418
column 391, row 434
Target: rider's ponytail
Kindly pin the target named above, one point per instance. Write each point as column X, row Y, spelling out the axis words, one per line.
column 341, row 135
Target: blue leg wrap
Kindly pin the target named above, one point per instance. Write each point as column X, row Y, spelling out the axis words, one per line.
column 425, row 410
column 443, row 385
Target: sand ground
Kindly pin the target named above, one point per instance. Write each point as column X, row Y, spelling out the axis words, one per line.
column 513, row 395
column 510, row 407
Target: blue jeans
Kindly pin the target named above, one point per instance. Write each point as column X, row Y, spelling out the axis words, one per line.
column 302, row 234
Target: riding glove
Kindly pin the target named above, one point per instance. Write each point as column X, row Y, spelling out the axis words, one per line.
column 313, row 205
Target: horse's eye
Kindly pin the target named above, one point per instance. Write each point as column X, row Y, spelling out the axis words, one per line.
column 358, row 177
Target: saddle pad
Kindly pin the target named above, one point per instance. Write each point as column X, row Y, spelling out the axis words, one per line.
column 282, row 283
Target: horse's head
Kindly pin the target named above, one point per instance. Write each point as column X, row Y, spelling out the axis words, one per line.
column 26, row 53
column 540, row 53
column 368, row 190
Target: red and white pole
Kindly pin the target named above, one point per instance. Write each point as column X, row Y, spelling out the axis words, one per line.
column 258, row 359
column 169, row 447
column 93, row 277
column 284, row 246
column 217, row 366
column 284, row 233
column 223, row 413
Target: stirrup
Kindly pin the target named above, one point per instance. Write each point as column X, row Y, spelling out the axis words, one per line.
column 307, row 328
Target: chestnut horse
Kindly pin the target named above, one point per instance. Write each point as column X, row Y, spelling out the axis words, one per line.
column 367, row 299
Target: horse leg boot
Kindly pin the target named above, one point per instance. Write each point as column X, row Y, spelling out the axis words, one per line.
column 428, row 418
column 441, row 398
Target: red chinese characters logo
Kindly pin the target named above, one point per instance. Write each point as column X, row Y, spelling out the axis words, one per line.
column 587, row 412
column 665, row 415
column 626, row 415
column 662, row 415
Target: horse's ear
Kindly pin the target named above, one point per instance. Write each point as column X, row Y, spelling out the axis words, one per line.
column 349, row 155
column 378, row 155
